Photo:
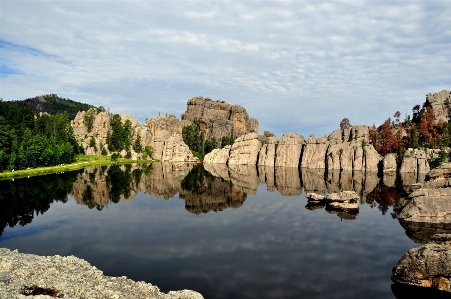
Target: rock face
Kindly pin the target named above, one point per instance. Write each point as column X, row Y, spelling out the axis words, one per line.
column 218, row 118
column 245, row 150
column 167, row 122
column 427, row 205
column 288, row 151
column 415, row 160
column 439, row 177
column 218, row 156
column 314, row 155
column 426, row 266
column 267, row 154
column 440, row 105
column 170, row 147
column 389, row 163
column 100, row 127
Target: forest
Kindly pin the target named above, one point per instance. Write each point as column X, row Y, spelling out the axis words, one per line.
column 53, row 104
column 29, row 140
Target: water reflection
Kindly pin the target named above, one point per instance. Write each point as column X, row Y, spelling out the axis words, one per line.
column 204, row 192
column 22, row 199
column 213, row 187
column 270, row 247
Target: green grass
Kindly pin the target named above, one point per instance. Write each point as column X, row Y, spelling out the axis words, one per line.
column 82, row 161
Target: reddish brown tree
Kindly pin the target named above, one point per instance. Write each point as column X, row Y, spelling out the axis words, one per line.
column 345, row 124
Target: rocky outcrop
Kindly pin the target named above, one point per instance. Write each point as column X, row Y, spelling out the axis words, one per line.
column 167, row 122
column 218, row 156
column 426, row 266
column 427, row 205
column 267, row 152
column 440, row 103
column 345, row 200
column 439, row 177
column 94, row 125
column 314, row 155
column 288, row 151
column 71, row 277
column 170, row 147
column 389, row 163
column 245, row 150
column 352, row 156
column 415, row 161
column 218, row 118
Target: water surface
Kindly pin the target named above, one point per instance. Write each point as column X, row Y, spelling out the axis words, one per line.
column 244, row 233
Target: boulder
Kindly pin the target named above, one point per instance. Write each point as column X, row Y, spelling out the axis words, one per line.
column 345, row 200
column 425, row 266
column 427, row 205
column 389, row 163
column 314, row 154
column 439, row 177
column 288, row 150
column 245, row 150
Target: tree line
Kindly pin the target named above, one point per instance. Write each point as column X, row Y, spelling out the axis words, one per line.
column 29, row 140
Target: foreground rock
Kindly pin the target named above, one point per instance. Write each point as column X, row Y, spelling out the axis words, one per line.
column 427, row 205
column 70, row 277
column 426, row 266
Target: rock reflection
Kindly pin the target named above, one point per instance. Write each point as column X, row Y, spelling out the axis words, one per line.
column 204, row 192
column 422, row 232
column 288, row 181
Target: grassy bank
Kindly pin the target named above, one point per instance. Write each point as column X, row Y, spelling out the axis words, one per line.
column 82, row 161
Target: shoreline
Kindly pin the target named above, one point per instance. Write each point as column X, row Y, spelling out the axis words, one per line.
column 70, row 277
column 81, row 163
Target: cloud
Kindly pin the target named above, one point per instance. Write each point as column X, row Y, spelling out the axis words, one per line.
column 299, row 66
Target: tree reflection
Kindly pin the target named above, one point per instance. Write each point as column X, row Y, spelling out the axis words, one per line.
column 21, row 199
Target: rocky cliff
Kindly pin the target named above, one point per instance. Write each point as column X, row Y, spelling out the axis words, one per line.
column 218, row 118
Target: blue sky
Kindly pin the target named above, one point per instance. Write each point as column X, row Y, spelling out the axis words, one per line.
column 296, row 66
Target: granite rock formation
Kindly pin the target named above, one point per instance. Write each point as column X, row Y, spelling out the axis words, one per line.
column 426, row 266
column 389, row 163
column 315, row 153
column 427, row 205
column 245, row 150
column 440, row 105
column 415, row 161
column 218, row 118
column 288, row 150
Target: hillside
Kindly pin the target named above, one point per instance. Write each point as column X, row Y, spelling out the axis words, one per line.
column 52, row 104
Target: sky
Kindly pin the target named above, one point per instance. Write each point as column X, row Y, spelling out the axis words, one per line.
column 296, row 66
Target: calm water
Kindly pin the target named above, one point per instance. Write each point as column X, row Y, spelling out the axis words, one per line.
column 226, row 236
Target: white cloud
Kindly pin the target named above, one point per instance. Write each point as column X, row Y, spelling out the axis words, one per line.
column 298, row 66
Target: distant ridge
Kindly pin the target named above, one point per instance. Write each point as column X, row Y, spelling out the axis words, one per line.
column 52, row 104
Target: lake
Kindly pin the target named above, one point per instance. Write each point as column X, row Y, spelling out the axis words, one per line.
column 244, row 232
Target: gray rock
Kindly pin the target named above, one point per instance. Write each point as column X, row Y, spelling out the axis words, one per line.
column 427, row 205
column 314, row 155
column 415, row 160
column 73, row 278
column 288, row 150
column 426, row 266
column 389, row 163
column 245, row 150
